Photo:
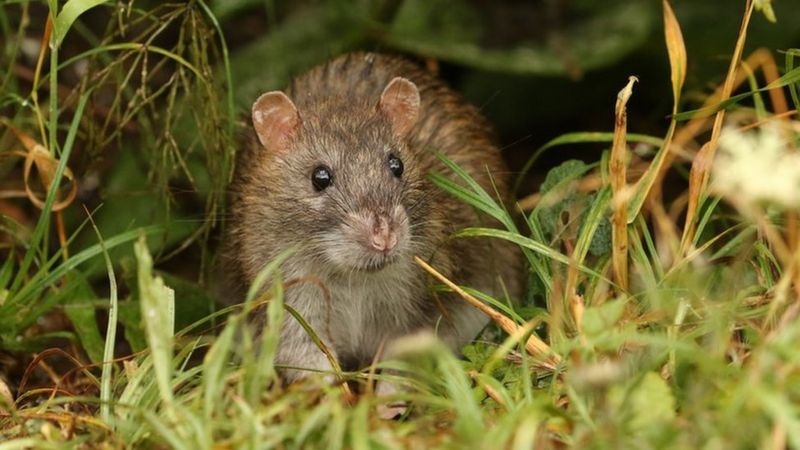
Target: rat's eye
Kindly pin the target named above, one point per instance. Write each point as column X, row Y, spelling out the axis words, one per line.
column 321, row 178
column 395, row 165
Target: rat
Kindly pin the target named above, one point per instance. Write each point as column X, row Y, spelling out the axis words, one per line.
column 339, row 169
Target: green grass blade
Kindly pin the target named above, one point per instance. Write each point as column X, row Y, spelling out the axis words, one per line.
column 213, row 367
column 44, row 280
column 530, row 244
column 270, row 336
column 43, row 224
column 643, row 186
column 111, row 335
column 582, row 137
column 157, row 303
column 790, row 55
column 791, row 77
column 476, row 196
column 596, row 214
column 268, row 271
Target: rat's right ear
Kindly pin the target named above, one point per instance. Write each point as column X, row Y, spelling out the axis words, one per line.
column 400, row 103
column 276, row 120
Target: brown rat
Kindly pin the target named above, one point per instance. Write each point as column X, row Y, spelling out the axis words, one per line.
column 340, row 168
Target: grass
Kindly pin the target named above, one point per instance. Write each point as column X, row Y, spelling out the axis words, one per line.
column 652, row 320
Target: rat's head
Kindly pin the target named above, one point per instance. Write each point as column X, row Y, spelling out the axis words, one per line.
column 348, row 183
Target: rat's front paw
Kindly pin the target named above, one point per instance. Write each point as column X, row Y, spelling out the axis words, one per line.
column 389, row 408
column 304, row 364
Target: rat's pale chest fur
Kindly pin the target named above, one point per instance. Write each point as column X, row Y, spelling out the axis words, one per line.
column 357, row 313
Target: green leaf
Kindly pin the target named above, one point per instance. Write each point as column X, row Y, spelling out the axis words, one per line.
column 599, row 319
column 69, row 13
column 196, row 302
column 585, row 215
column 789, row 78
column 456, row 31
column 130, row 316
column 111, row 333
column 567, row 171
column 79, row 307
column 648, row 405
column 227, row 8
column 300, row 42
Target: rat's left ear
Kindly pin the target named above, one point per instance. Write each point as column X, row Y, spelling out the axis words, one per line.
column 276, row 120
column 400, row 103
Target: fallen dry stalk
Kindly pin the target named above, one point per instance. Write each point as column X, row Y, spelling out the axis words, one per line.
column 535, row 346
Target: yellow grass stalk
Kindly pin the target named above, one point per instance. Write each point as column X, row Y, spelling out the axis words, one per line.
column 701, row 167
column 534, row 345
column 617, row 169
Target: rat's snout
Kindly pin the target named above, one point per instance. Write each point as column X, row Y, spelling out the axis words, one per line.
column 383, row 233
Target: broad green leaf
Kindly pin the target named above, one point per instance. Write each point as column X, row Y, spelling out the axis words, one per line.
column 195, row 300
column 587, row 215
column 130, row 316
column 648, row 404
column 223, row 9
column 69, row 13
column 596, row 226
column 300, row 42
column 79, row 306
column 455, row 31
column 599, row 319
column 558, row 197
column 567, row 171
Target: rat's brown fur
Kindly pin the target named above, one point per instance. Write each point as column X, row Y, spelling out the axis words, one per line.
column 275, row 207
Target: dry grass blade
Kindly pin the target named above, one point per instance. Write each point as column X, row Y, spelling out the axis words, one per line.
column 534, row 345
column 676, row 50
column 490, row 391
column 36, row 155
column 617, row 168
column 701, row 166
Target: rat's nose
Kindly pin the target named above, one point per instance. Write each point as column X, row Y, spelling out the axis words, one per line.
column 383, row 236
